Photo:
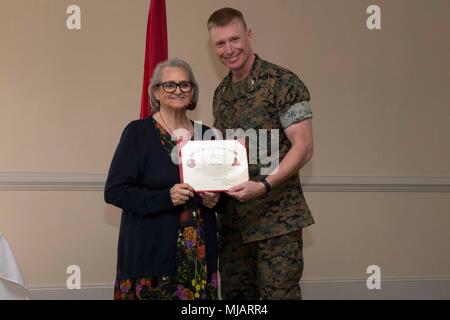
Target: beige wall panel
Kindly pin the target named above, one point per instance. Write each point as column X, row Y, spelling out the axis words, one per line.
column 49, row 231
column 379, row 97
column 406, row 234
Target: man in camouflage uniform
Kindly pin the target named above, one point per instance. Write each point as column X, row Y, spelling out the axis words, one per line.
column 261, row 221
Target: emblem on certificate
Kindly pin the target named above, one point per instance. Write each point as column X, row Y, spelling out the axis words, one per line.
column 213, row 165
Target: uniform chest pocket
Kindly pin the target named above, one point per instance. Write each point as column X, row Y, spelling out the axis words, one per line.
column 260, row 113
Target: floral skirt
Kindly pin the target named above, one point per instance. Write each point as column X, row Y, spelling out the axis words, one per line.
column 164, row 288
column 191, row 281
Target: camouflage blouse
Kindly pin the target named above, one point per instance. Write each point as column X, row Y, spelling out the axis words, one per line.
column 268, row 101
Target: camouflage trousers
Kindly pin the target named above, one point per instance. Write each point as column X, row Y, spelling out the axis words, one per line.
column 269, row 269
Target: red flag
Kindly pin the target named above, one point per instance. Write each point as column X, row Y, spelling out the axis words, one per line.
column 155, row 48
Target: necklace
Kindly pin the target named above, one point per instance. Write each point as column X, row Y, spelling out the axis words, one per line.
column 169, row 129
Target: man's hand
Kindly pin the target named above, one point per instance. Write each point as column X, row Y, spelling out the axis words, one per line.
column 247, row 191
column 180, row 193
column 209, row 199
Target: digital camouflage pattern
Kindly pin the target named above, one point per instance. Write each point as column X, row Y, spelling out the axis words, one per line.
column 266, row 269
column 271, row 97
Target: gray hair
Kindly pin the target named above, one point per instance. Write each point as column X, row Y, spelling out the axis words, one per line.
column 156, row 80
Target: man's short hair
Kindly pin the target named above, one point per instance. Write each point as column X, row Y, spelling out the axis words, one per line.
column 224, row 16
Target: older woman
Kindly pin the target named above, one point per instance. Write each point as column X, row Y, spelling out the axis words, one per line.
column 167, row 241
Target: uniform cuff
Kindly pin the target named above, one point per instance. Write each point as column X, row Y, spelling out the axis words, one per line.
column 296, row 113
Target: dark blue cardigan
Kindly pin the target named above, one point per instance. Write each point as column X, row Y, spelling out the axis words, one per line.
column 139, row 182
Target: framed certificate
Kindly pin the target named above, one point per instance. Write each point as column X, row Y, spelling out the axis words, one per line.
column 213, row 165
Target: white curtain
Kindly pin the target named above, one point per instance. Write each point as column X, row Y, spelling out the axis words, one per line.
column 12, row 284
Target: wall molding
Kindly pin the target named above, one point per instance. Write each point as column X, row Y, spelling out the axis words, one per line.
column 54, row 181
column 51, row 181
column 375, row 184
column 329, row 289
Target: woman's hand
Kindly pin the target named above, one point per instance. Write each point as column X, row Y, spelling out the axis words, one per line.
column 180, row 193
column 209, row 199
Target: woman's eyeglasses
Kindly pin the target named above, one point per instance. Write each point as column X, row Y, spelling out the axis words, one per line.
column 171, row 87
